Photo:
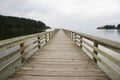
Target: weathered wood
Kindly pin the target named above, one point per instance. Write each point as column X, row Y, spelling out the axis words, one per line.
column 57, row 78
column 111, row 45
column 81, row 41
column 22, row 51
column 60, row 59
column 111, row 58
column 4, row 58
column 7, row 64
column 5, row 44
column 95, row 52
column 104, row 42
column 38, row 42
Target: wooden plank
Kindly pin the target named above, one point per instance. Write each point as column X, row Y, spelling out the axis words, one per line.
column 60, row 59
column 61, row 73
column 27, row 77
column 60, row 69
column 106, row 55
column 114, row 72
column 105, row 42
column 6, row 44
column 4, row 58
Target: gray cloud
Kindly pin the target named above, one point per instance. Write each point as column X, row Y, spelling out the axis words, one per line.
column 65, row 13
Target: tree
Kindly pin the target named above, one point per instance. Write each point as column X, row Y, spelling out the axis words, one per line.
column 15, row 26
column 109, row 26
column 118, row 26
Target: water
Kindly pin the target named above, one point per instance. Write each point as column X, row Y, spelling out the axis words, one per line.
column 111, row 34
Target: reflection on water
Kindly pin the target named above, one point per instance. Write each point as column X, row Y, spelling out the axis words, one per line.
column 110, row 34
column 118, row 31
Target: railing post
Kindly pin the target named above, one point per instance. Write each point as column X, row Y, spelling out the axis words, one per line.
column 75, row 38
column 49, row 35
column 81, row 42
column 22, row 52
column 45, row 37
column 95, row 52
column 39, row 42
column 71, row 35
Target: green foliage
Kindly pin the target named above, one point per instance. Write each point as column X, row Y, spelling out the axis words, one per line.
column 109, row 27
column 15, row 26
column 118, row 26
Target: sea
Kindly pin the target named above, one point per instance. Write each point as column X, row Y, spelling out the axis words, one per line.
column 111, row 34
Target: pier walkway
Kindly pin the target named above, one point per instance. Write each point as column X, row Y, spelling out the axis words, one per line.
column 59, row 59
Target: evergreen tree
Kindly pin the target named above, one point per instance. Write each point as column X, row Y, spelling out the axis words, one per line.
column 15, row 26
column 118, row 26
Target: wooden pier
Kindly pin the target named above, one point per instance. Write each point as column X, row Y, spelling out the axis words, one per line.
column 59, row 59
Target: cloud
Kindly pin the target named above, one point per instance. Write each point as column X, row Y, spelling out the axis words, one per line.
column 65, row 13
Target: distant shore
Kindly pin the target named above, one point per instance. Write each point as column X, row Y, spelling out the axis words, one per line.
column 109, row 27
column 105, row 28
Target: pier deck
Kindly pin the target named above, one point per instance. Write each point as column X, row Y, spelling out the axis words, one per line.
column 59, row 59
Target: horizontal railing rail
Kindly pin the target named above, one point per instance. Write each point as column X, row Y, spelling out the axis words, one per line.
column 14, row 52
column 96, row 47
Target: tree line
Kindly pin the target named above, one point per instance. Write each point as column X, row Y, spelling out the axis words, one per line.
column 109, row 27
column 15, row 26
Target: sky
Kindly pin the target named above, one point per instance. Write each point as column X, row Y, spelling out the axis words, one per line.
column 68, row 14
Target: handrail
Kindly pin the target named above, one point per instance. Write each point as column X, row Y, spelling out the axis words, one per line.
column 82, row 40
column 10, row 61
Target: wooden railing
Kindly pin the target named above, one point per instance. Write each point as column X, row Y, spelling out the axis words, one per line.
column 14, row 52
column 101, row 50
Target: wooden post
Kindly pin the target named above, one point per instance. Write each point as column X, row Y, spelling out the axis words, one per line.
column 39, row 42
column 45, row 37
column 49, row 36
column 75, row 38
column 22, row 52
column 95, row 52
column 71, row 35
column 81, row 42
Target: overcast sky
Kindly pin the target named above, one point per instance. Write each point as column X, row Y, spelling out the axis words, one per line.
column 70, row 14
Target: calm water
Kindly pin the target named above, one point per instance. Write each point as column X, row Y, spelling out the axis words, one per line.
column 112, row 34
